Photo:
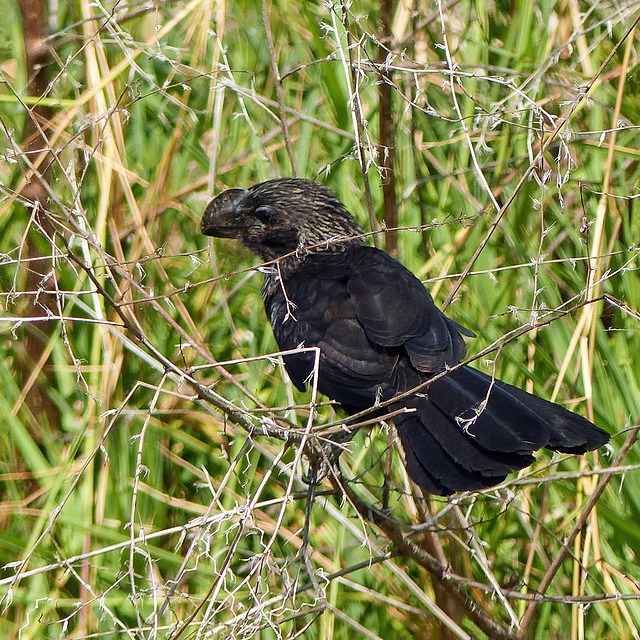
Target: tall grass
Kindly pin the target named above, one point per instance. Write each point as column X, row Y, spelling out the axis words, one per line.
column 149, row 489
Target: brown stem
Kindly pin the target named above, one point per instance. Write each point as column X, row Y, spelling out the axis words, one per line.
column 38, row 61
column 36, row 152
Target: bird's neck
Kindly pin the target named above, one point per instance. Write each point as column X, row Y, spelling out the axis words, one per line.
column 314, row 260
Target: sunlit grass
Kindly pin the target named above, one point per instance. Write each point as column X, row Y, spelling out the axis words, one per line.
column 146, row 490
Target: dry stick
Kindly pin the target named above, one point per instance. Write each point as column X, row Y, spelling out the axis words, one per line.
column 278, row 81
column 215, row 102
column 577, row 527
column 475, row 547
column 583, row 93
column 135, row 594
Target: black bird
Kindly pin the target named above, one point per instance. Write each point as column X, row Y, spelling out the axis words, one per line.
column 380, row 335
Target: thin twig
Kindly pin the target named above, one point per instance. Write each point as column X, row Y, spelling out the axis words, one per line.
column 352, row 74
column 387, row 145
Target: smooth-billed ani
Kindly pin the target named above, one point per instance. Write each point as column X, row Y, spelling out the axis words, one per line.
column 380, row 335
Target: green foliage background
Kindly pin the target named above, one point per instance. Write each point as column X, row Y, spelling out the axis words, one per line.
column 131, row 506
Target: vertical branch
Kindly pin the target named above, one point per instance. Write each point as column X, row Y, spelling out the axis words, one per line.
column 387, row 145
column 37, row 61
column 37, row 151
column 278, row 81
column 417, row 166
column 422, row 203
column 354, row 82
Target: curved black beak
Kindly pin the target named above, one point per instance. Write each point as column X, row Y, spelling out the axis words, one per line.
column 221, row 217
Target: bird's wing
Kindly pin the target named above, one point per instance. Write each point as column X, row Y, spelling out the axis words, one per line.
column 396, row 310
column 314, row 308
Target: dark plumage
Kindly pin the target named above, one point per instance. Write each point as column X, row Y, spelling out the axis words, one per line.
column 380, row 334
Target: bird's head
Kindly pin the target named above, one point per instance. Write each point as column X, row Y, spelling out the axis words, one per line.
column 278, row 217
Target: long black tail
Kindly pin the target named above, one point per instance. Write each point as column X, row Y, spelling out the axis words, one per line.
column 469, row 432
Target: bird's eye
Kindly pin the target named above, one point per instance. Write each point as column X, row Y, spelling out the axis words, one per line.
column 264, row 214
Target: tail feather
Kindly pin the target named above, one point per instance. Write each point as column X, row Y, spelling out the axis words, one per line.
column 470, row 432
column 431, row 467
column 417, row 471
column 465, row 450
column 512, row 419
column 489, row 412
column 571, row 433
